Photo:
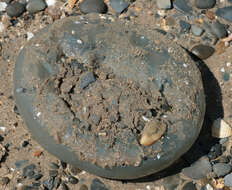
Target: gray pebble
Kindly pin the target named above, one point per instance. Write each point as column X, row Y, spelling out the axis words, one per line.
column 98, row 185
column 93, row 6
column 202, row 51
column 86, row 79
column 49, row 183
column 119, row 5
column 182, row 6
column 221, row 169
column 196, row 30
column 205, row 4
column 34, row 6
column 228, row 180
column 219, row 30
column 38, row 177
column 15, row 9
column 225, row 13
column 164, row 4
column 199, row 169
column 73, row 180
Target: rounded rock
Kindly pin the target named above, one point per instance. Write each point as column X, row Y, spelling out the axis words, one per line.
column 93, row 6
column 221, row 169
column 15, row 9
column 34, row 6
column 202, row 51
column 115, row 55
column 206, row 4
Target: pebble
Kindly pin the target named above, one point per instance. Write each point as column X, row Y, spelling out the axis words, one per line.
column 73, row 180
column 38, row 177
column 199, row 169
column 15, row 9
column 4, row 180
column 86, row 79
column 205, row 4
column 225, row 13
column 215, row 151
column 182, row 6
column 228, row 180
column 50, row 2
column 202, row 51
column 75, row 170
column 83, row 187
column 196, row 30
column 164, row 4
column 221, row 169
column 189, row 186
column 184, row 26
column 98, row 185
column 226, row 76
column 3, row 6
column 2, row 27
column 34, row 6
column 49, row 183
column 93, row 6
column 119, row 5
column 25, row 143
column 219, row 30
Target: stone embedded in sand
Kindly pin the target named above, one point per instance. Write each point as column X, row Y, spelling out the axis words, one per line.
column 130, row 75
column 152, row 132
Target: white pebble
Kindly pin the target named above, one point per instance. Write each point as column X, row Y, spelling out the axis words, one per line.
column 38, row 114
column 185, row 65
column 158, row 156
column 148, row 187
column 209, row 187
column 228, row 64
column 3, row 6
column 79, row 41
column 222, row 69
column 50, row 2
column 145, row 118
column 29, row 35
column 3, row 129
column 2, row 27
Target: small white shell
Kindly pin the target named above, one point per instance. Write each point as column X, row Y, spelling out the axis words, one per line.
column 152, row 132
column 221, row 129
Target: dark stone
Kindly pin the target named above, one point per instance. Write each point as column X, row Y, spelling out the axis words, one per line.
column 16, row 110
column 184, row 26
column 75, row 170
column 38, row 176
column 189, row 186
column 215, row 151
column 225, row 13
column 63, row 165
column 182, row 6
column 86, row 79
column 206, row 4
column 119, row 5
column 20, row 163
column 34, row 6
column 73, row 180
column 226, row 76
column 25, row 143
column 15, row 9
column 219, row 29
column 221, row 169
column 199, row 169
column 98, row 185
column 93, row 6
column 202, row 51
